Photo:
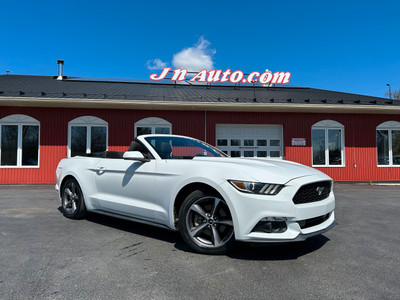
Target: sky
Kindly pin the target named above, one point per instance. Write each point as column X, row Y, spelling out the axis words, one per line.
column 349, row 46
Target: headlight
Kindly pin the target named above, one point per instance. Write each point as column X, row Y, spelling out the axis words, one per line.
column 257, row 187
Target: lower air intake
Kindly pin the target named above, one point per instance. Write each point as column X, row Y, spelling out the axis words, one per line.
column 313, row 221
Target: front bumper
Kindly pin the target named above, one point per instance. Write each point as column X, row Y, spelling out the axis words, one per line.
column 248, row 210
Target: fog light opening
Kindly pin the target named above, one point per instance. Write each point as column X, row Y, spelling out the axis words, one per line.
column 271, row 225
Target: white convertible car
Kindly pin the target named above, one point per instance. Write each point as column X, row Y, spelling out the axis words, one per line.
column 184, row 184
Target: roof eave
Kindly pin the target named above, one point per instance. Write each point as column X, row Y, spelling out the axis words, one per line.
column 202, row 106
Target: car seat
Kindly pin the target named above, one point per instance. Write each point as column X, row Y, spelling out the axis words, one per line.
column 164, row 150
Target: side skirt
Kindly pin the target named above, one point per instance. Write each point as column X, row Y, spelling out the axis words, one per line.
column 130, row 218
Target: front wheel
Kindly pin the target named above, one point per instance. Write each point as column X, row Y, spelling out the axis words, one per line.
column 73, row 203
column 205, row 223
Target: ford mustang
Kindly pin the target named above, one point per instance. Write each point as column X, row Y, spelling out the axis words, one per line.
column 184, row 184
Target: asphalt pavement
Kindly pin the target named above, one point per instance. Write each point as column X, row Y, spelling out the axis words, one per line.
column 46, row 256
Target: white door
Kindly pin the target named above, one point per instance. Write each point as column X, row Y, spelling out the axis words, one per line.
column 126, row 187
column 250, row 140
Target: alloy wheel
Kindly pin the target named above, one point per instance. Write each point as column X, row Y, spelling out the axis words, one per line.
column 209, row 222
column 70, row 197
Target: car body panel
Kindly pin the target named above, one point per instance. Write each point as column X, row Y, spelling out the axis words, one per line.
column 119, row 185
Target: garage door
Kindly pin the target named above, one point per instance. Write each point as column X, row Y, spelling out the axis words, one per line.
column 250, row 140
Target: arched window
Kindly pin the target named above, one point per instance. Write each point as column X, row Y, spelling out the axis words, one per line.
column 19, row 141
column 327, row 144
column 152, row 126
column 388, row 143
column 87, row 135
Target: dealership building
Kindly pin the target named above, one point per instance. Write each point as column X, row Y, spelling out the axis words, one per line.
column 46, row 118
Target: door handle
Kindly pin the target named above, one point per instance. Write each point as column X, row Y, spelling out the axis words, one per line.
column 101, row 170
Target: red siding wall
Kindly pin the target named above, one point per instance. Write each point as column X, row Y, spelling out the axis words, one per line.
column 360, row 144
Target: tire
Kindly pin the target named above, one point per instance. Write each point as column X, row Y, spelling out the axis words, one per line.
column 205, row 223
column 72, row 200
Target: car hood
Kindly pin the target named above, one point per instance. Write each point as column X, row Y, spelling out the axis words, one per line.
column 261, row 169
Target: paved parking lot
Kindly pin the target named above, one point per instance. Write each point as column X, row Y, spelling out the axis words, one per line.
column 46, row 256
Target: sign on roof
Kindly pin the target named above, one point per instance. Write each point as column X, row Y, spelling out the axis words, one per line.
column 213, row 76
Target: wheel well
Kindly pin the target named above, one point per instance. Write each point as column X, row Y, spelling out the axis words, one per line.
column 186, row 190
column 63, row 182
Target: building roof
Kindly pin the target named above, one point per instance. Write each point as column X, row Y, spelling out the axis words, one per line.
column 31, row 90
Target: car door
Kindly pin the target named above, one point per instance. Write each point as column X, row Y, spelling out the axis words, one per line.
column 126, row 187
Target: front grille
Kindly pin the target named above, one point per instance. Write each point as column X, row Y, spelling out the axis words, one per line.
column 313, row 221
column 313, row 192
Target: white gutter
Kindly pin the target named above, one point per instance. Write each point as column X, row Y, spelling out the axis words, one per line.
column 186, row 105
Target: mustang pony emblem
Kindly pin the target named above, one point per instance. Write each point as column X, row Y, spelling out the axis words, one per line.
column 319, row 190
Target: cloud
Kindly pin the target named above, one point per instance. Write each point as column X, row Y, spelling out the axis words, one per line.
column 195, row 58
column 156, row 64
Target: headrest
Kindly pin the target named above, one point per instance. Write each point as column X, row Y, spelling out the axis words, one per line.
column 165, row 148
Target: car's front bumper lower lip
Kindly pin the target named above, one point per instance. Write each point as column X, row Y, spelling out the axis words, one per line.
column 292, row 234
column 298, row 238
column 304, row 236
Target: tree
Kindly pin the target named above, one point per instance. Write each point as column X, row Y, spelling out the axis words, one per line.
column 395, row 94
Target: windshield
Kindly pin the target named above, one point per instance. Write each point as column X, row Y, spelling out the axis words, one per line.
column 172, row 147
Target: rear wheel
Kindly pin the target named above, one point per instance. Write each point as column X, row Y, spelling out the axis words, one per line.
column 205, row 223
column 72, row 200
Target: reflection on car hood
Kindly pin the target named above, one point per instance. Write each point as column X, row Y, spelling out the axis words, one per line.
column 262, row 169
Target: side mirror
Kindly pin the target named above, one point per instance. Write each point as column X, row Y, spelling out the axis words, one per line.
column 135, row 155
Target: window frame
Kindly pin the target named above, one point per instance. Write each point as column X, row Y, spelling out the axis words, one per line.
column 88, row 122
column 20, row 121
column 389, row 126
column 153, row 123
column 327, row 125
